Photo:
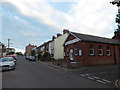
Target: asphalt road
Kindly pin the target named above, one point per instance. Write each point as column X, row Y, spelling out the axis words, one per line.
column 103, row 74
column 30, row 74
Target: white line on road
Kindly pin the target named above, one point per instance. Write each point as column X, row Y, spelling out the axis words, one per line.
column 82, row 75
column 87, row 74
column 101, row 81
column 106, row 80
column 95, row 77
column 90, row 78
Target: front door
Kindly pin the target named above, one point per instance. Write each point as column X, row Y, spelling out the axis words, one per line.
column 71, row 56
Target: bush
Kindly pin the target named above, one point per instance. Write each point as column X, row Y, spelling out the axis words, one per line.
column 46, row 57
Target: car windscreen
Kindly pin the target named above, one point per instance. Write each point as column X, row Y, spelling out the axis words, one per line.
column 6, row 59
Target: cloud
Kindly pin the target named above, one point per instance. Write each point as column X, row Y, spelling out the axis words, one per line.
column 93, row 17
column 37, row 20
column 19, row 50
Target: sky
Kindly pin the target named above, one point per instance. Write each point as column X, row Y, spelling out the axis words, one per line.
column 36, row 21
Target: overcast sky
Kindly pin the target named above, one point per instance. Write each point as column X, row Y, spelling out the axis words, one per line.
column 36, row 21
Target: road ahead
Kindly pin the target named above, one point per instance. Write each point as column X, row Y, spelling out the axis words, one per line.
column 30, row 74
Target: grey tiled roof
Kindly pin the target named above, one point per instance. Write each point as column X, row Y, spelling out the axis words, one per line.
column 91, row 38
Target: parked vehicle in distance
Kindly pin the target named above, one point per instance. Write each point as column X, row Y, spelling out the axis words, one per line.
column 31, row 58
column 13, row 56
column 7, row 63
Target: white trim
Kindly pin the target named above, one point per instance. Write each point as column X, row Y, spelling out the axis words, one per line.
column 72, row 41
column 92, row 54
column 80, row 52
column 101, row 54
column 75, row 36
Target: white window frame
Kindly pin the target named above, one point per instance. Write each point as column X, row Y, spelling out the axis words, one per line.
column 75, row 49
column 108, row 50
column 80, row 52
column 101, row 50
column 92, row 51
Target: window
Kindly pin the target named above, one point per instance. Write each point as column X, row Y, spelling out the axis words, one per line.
column 67, row 50
column 100, row 51
column 80, row 52
column 108, row 51
column 91, row 50
column 75, row 49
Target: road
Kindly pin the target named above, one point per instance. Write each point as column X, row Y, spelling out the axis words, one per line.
column 105, row 74
column 31, row 74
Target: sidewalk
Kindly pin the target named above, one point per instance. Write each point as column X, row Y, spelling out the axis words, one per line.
column 51, row 64
column 65, row 68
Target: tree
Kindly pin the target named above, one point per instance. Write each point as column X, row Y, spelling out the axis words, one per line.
column 117, row 2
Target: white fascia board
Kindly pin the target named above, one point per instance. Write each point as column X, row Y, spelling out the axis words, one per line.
column 72, row 41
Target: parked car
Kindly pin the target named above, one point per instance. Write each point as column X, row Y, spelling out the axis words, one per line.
column 13, row 56
column 7, row 63
column 27, row 56
column 31, row 58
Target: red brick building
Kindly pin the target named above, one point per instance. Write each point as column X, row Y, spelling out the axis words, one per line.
column 28, row 49
column 82, row 49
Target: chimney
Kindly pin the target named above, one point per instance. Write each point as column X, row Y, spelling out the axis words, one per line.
column 65, row 31
column 59, row 34
column 116, row 35
column 53, row 37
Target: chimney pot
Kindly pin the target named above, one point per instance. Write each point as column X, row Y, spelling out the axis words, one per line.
column 65, row 31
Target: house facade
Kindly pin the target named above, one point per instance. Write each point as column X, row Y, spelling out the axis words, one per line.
column 11, row 50
column 58, row 45
column 84, row 49
column 28, row 49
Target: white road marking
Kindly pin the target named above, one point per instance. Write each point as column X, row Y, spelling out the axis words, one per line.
column 90, row 78
column 87, row 74
column 101, row 81
column 82, row 75
column 106, row 80
column 96, row 77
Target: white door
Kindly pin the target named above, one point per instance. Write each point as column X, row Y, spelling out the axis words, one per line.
column 71, row 54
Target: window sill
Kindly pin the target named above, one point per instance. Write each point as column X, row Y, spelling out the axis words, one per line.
column 108, row 55
column 100, row 55
column 91, row 55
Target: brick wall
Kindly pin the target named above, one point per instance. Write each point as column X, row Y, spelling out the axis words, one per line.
column 86, row 59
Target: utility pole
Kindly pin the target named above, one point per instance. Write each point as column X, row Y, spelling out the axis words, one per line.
column 8, row 45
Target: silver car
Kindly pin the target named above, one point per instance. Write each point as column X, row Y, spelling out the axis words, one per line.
column 7, row 63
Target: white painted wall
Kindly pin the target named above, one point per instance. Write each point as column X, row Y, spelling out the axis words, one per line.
column 58, row 46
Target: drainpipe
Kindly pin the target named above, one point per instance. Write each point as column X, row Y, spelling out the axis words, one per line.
column 114, row 56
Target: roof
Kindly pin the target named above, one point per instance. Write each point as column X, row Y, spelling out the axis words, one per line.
column 91, row 38
column 44, row 43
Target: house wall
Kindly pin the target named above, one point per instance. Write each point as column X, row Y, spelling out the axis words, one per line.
column 28, row 49
column 51, row 48
column 58, row 46
column 86, row 59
